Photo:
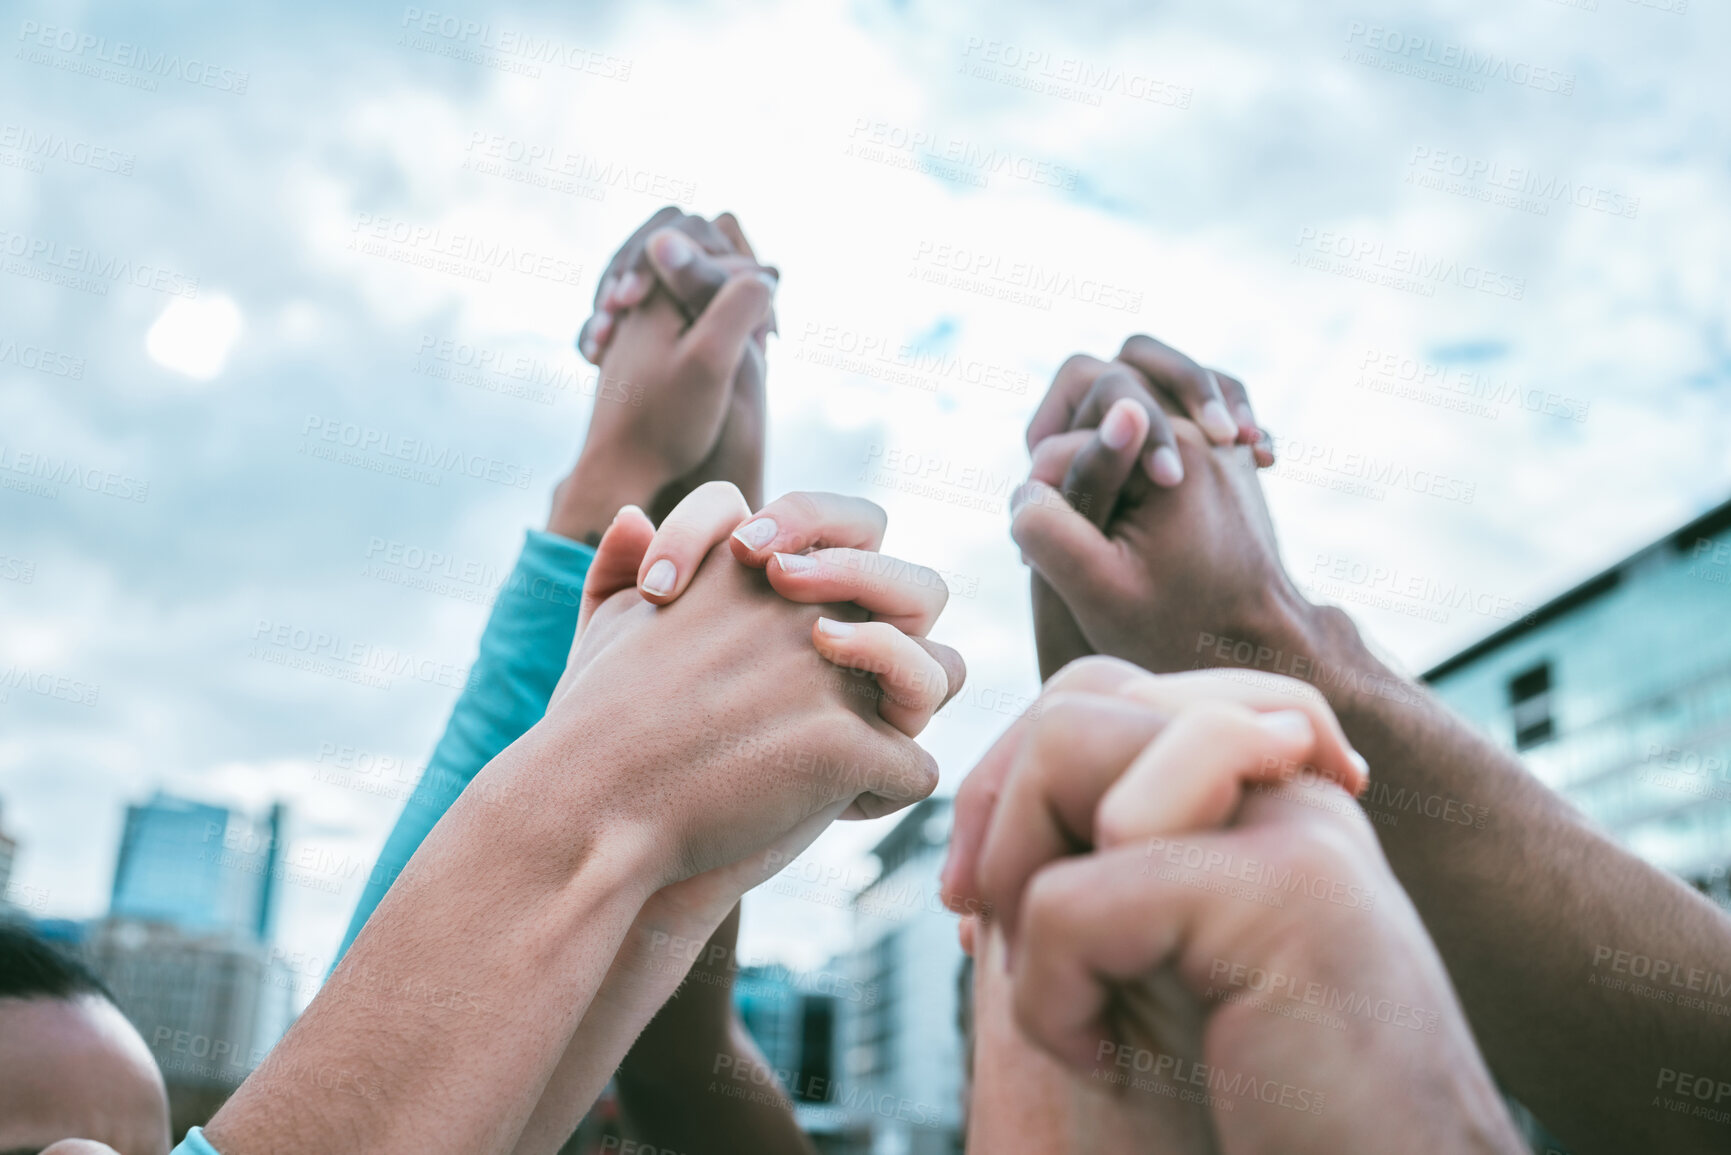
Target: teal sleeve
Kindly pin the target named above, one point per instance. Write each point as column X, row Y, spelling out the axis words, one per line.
column 523, row 652
column 194, row 1144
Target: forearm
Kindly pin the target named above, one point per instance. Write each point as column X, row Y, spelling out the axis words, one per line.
column 717, row 1095
column 521, row 655
column 655, row 957
column 1524, row 899
column 694, row 1079
column 442, row 1025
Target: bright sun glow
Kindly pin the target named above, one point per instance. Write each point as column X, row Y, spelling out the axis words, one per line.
column 195, row 337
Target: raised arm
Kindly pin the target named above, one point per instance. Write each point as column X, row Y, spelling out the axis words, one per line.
column 648, row 444
column 440, row 1029
column 1520, row 901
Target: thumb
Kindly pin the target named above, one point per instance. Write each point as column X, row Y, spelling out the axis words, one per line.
column 711, row 350
column 1061, row 545
column 617, row 559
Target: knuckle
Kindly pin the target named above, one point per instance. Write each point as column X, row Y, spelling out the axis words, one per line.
column 1090, row 670
column 719, row 490
column 804, row 509
column 1077, row 365
column 1047, row 904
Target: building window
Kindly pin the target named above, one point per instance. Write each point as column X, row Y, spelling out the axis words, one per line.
column 1530, row 703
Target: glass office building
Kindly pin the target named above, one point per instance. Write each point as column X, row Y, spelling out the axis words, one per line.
column 1618, row 695
column 203, row 869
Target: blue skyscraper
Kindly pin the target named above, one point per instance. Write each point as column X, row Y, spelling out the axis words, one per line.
column 200, row 868
column 1618, row 694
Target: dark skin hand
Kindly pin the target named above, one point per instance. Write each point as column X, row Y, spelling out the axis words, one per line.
column 1119, row 413
column 1523, row 898
column 679, row 1049
column 650, row 264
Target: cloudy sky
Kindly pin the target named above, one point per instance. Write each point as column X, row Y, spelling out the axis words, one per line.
column 1482, row 244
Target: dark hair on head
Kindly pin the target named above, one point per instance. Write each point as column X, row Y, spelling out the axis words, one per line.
column 31, row 968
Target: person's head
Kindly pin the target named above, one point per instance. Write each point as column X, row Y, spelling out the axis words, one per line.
column 71, row 1066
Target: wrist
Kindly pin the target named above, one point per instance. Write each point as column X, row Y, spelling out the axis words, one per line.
column 586, row 501
column 552, row 796
column 1319, row 644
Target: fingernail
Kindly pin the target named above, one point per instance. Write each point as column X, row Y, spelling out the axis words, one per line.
column 672, row 251
column 1217, row 423
column 757, row 534
column 659, row 580
column 629, row 284
column 795, row 563
column 1119, row 425
column 1025, row 493
column 836, row 629
column 1358, row 761
column 1165, row 466
column 1246, row 424
column 769, row 282
column 1292, row 725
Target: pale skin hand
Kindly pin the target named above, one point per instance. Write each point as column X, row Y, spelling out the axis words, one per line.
column 1115, row 954
column 1032, row 798
column 441, row 1027
column 915, row 677
column 1179, row 570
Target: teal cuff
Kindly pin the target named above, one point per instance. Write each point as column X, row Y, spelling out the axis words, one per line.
column 195, row 1144
column 523, row 653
